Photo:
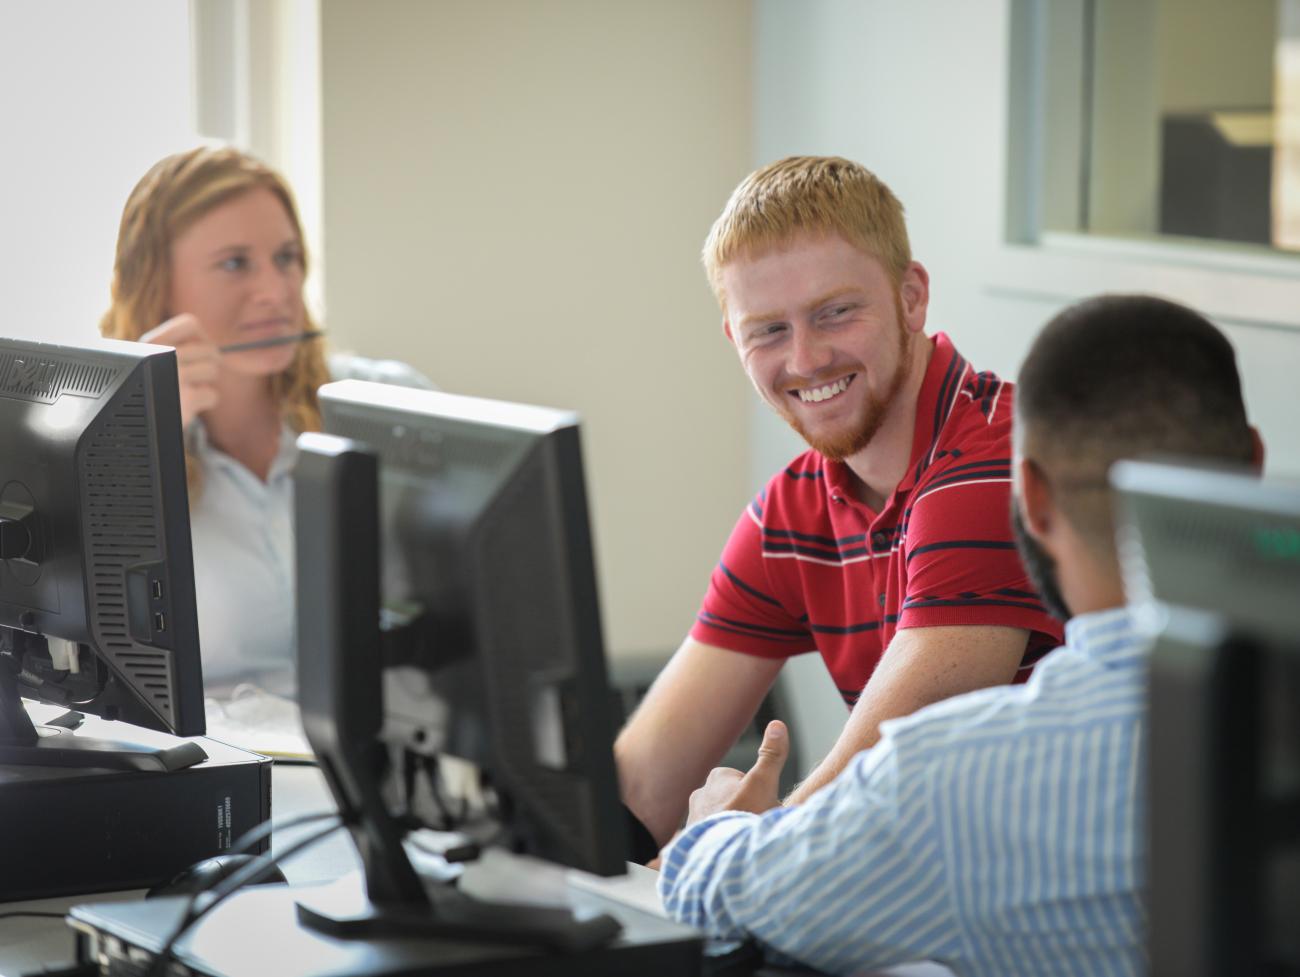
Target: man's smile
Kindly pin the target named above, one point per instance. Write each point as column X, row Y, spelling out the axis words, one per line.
column 828, row 391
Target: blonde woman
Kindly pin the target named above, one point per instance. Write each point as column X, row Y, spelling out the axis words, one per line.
column 210, row 260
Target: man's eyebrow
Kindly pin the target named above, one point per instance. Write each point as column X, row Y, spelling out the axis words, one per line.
column 756, row 317
column 831, row 296
column 838, row 293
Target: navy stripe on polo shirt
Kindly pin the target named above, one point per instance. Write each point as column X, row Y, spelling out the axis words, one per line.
column 809, row 567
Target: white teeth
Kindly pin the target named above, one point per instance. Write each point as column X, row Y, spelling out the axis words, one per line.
column 817, row 394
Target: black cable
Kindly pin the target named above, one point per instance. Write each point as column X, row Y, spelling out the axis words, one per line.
column 251, row 873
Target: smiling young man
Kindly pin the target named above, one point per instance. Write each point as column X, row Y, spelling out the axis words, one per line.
column 887, row 546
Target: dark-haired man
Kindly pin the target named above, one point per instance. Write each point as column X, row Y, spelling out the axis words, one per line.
column 1000, row 831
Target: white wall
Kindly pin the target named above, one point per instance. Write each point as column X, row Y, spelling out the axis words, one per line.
column 91, row 95
column 516, row 194
column 917, row 92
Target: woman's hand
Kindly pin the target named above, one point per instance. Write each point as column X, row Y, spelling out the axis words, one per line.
column 197, row 363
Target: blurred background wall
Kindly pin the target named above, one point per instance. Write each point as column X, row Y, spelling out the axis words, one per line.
column 515, row 198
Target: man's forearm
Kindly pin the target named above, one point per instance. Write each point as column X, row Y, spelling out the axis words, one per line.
column 920, row 666
column 850, row 743
column 653, row 800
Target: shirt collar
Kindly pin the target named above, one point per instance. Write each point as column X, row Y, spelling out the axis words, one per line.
column 1111, row 637
column 933, row 405
column 200, row 445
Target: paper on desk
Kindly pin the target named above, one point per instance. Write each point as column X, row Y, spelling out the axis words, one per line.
column 501, row 876
column 639, row 888
column 253, row 719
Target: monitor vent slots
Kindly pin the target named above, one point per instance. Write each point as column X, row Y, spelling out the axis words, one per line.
column 119, row 493
column 423, row 450
column 43, row 379
column 1224, row 538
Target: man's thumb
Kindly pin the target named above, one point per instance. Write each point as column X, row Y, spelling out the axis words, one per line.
column 772, row 752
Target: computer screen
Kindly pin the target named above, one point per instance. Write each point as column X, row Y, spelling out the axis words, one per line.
column 97, row 607
column 1212, row 559
column 462, row 525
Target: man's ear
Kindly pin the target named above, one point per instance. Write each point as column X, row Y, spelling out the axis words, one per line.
column 726, row 330
column 1037, row 507
column 914, row 295
column 1256, row 450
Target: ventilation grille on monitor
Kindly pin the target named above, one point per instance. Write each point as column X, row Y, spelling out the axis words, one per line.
column 45, row 379
column 1197, row 539
column 118, row 503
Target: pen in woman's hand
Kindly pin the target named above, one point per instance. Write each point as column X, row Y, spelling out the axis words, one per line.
column 297, row 337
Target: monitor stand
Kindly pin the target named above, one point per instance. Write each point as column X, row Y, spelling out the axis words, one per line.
column 25, row 743
column 341, row 700
column 348, row 913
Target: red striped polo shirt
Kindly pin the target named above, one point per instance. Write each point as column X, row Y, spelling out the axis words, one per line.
column 810, row 568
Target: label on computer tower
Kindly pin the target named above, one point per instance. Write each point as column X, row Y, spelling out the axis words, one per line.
column 225, row 821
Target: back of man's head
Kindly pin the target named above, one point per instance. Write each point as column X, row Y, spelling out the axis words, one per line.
column 1122, row 376
column 815, row 195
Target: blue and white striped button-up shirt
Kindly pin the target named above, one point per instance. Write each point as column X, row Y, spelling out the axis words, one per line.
column 998, row 832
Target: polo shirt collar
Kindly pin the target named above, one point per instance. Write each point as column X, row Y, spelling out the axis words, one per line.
column 933, row 405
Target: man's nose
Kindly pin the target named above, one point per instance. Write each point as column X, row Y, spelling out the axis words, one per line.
column 809, row 352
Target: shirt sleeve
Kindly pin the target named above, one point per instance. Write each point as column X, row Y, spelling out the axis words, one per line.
column 740, row 611
column 849, row 881
column 348, row 366
column 963, row 567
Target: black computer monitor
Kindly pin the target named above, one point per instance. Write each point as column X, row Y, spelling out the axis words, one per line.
column 97, row 608
column 460, row 524
column 1212, row 559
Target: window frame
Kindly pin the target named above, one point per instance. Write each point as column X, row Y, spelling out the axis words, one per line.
column 1049, row 87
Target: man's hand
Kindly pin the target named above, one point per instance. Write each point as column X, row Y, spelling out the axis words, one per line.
column 671, row 743
column 757, row 791
column 197, row 363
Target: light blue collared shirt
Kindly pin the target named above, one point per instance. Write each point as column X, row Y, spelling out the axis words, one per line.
column 999, row 832
column 244, row 579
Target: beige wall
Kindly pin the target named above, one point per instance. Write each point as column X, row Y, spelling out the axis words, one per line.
column 515, row 198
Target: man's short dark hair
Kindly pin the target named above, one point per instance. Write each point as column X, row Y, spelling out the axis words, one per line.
column 1122, row 376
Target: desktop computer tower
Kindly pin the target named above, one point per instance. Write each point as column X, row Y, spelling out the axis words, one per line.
column 70, row 831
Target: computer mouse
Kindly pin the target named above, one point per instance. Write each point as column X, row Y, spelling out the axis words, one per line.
column 203, row 875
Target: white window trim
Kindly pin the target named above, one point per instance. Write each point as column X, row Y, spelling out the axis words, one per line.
column 1046, row 79
column 257, row 86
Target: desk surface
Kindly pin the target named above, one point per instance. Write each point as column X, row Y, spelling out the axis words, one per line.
column 29, row 945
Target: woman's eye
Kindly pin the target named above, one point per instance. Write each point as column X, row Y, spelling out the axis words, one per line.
column 235, row 262
column 288, row 259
